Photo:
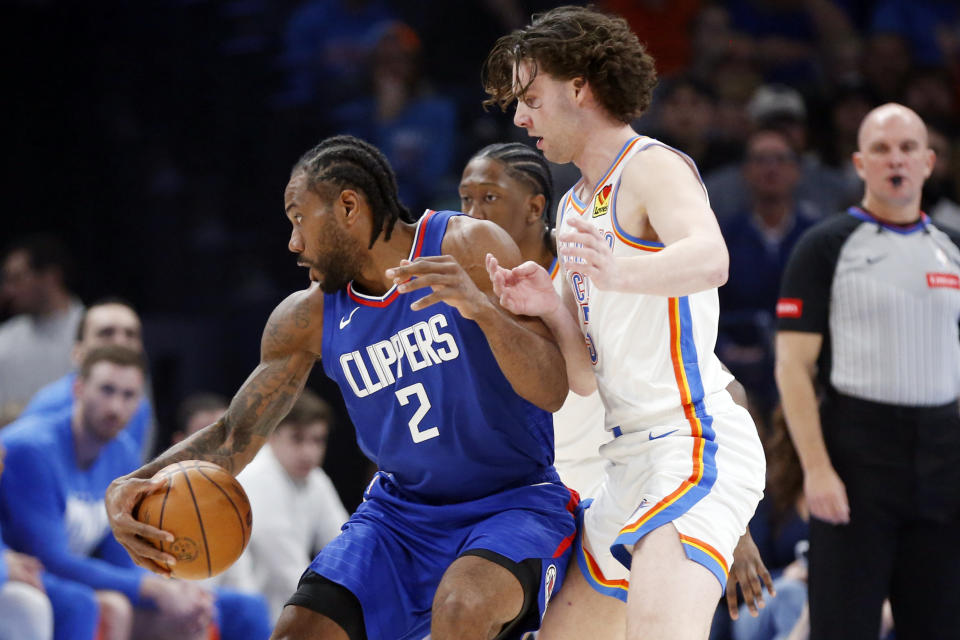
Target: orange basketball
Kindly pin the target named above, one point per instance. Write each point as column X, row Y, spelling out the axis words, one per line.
column 208, row 513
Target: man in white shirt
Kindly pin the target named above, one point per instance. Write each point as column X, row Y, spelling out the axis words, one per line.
column 36, row 341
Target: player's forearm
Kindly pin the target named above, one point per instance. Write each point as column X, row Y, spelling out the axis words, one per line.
column 687, row 266
column 580, row 377
column 531, row 363
column 799, row 401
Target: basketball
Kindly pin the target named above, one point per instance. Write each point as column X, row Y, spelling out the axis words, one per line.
column 208, row 513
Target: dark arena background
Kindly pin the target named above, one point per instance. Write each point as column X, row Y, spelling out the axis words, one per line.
column 154, row 139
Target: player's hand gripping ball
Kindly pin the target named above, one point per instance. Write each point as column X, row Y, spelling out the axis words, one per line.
column 208, row 513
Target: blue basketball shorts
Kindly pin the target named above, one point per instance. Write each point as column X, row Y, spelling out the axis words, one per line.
column 393, row 552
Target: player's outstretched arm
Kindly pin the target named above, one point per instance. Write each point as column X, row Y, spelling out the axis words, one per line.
column 525, row 350
column 527, row 290
column 288, row 350
column 662, row 185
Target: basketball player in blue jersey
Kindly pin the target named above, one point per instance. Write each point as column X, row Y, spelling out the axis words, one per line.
column 642, row 256
column 465, row 530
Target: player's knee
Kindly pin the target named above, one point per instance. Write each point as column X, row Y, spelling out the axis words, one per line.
column 298, row 623
column 456, row 610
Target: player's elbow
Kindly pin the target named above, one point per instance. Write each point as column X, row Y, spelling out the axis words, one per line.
column 717, row 268
column 547, row 399
column 554, row 403
column 557, row 394
column 584, row 385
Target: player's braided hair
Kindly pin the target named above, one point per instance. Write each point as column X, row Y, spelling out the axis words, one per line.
column 526, row 165
column 346, row 162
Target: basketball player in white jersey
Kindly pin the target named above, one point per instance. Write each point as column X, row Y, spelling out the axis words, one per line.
column 642, row 255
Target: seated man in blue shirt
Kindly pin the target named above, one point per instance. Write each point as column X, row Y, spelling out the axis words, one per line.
column 107, row 321
column 51, row 504
column 27, row 593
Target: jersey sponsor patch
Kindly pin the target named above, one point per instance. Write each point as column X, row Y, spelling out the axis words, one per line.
column 602, row 204
column 943, row 281
column 789, row 308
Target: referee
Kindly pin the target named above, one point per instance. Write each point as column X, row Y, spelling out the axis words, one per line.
column 869, row 309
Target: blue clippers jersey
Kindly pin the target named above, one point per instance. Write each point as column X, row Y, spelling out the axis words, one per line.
column 427, row 397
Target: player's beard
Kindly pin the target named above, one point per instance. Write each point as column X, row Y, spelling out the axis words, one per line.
column 340, row 262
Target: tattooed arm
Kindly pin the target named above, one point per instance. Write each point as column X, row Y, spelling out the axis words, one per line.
column 290, row 346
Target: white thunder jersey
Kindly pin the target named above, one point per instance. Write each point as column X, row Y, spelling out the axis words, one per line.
column 673, row 422
column 653, row 356
column 578, row 432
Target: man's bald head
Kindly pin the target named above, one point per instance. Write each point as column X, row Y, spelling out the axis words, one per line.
column 891, row 114
column 893, row 159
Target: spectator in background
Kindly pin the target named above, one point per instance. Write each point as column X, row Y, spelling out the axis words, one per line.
column 723, row 59
column 414, row 128
column 789, row 35
column 28, row 593
column 930, row 92
column 326, row 45
column 51, row 505
column 296, row 508
column 920, row 23
column 759, row 240
column 105, row 322
column 940, row 198
column 781, row 107
column 687, row 110
column 885, row 65
column 664, row 28
column 848, row 106
column 35, row 342
column 24, row 607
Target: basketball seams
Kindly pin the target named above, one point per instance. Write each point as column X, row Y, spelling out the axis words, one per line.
column 180, row 510
column 236, row 510
column 163, row 505
column 196, row 508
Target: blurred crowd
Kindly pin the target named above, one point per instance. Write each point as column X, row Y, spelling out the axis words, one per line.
column 152, row 144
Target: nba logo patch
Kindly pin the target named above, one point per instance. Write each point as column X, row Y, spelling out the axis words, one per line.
column 549, row 582
column 602, row 203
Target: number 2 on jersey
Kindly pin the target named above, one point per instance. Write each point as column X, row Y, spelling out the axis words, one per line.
column 403, row 395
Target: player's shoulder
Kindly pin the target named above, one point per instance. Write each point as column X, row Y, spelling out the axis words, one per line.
column 653, row 158
column 468, row 237
column 37, row 433
column 297, row 322
column 54, row 397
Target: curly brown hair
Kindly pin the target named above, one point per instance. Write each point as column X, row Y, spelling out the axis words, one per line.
column 575, row 42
